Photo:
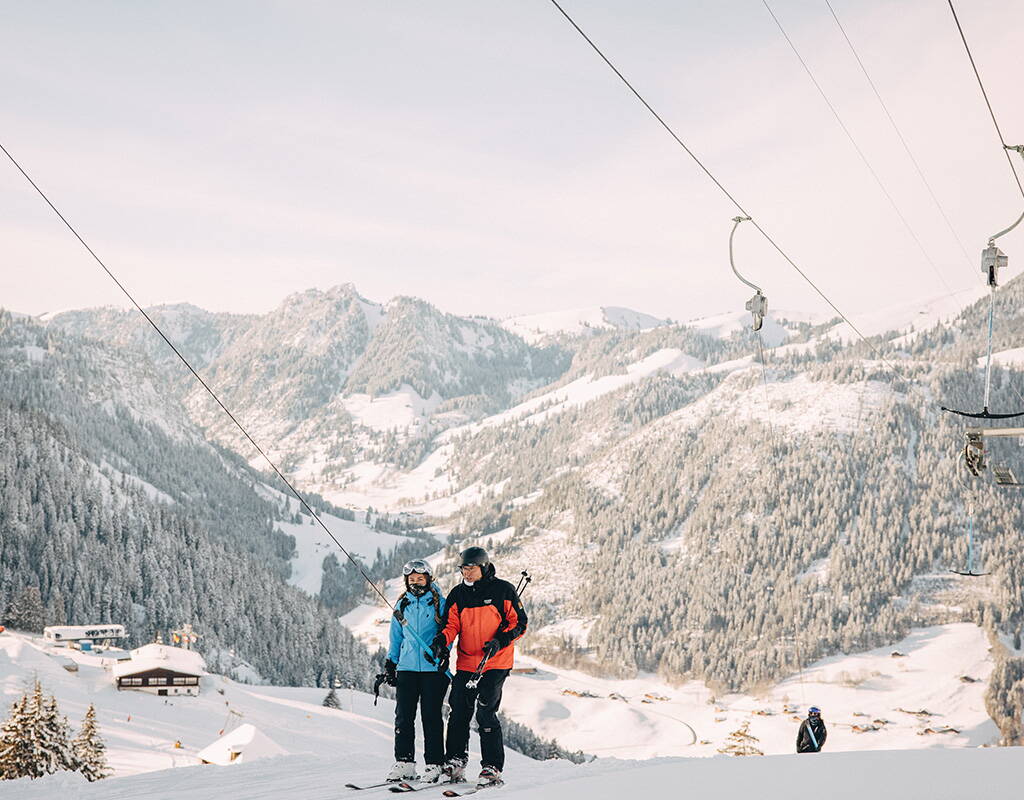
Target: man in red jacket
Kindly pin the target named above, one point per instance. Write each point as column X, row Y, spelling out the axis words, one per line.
column 487, row 616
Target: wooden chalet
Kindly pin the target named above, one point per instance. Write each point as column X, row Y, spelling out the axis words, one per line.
column 162, row 670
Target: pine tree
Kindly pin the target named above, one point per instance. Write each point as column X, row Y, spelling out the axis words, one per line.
column 52, row 733
column 741, row 742
column 17, row 756
column 331, row 701
column 25, row 612
column 89, row 748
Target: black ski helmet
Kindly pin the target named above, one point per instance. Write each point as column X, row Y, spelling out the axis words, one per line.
column 474, row 556
column 477, row 557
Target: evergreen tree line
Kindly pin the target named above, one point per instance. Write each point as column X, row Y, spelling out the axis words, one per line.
column 35, row 740
column 102, row 552
column 734, row 604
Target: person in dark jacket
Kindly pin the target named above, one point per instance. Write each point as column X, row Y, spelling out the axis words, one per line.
column 486, row 615
column 419, row 681
column 812, row 734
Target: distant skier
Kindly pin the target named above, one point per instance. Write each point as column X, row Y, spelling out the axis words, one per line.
column 487, row 616
column 812, row 734
column 418, row 681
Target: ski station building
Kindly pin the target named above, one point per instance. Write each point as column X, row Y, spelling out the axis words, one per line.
column 160, row 669
column 83, row 637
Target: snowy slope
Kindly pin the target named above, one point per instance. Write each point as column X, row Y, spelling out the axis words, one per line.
column 326, row 748
column 535, row 327
column 920, row 315
column 722, row 326
column 856, row 689
column 313, row 545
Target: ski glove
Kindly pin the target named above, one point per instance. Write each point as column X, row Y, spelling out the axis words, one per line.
column 390, row 673
column 439, row 648
column 492, row 647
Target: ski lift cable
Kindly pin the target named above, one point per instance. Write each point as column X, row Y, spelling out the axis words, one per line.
column 903, row 141
column 860, row 152
column 984, row 94
column 671, row 132
column 196, row 375
column 1006, row 152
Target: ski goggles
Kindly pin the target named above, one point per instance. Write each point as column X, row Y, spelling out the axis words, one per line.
column 416, row 565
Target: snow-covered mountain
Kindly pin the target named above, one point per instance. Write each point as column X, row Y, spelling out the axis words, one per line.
column 580, row 321
column 660, row 457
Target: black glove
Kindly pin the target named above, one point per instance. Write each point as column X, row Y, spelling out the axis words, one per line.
column 439, row 648
column 442, row 663
column 491, row 647
column 390, row 673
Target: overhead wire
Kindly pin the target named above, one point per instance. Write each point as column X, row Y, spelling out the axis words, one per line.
column 899, row 133
column 984, row 94
column 196, row 375
column 860, row 152
column 668, row 128
column 999, row 133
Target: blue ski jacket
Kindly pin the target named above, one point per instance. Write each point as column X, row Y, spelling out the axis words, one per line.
column 421, row 617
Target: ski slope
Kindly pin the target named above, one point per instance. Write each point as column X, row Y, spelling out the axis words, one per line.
column 326, row 748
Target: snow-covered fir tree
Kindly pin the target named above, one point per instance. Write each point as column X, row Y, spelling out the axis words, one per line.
column 17, row 753
column 25, row 612
column 89, row 748
column 331, row 701
column 35, row 740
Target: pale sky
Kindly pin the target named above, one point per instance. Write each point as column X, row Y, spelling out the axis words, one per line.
column 479, row 155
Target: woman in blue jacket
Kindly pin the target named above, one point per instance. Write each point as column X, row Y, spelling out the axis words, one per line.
column 419, row 680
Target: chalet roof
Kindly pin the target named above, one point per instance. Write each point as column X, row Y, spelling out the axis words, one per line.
column 244, row 743
column 161, row 656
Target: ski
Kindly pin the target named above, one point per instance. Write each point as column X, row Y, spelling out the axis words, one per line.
column 470, row 790
column 369, row 786
column 405, row 786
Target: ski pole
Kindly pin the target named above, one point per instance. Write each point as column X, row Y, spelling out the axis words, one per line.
column 474, row 679
column 524, row 584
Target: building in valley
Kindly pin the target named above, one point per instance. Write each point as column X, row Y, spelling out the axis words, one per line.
column 161, row 669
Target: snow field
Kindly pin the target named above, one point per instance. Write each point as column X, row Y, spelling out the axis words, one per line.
column 852, row 690
column 327, row 748
column 313, row 545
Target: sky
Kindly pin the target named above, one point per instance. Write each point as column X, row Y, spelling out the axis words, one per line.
column 479, row 155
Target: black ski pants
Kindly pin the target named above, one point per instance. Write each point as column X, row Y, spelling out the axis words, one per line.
column 486, row 697
column 425, row 690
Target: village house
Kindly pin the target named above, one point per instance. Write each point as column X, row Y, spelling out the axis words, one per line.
column 161, row 669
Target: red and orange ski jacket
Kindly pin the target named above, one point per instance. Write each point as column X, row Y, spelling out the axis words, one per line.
column 489, row 609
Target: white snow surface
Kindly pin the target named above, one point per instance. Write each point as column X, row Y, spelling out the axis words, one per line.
column 722, row 326
column 401, row 410
column 584, row 390
column 1006, row 358
column 872, row 684
column 921, row 315
column 535, row 327
column 313, row 545
column 325, row 748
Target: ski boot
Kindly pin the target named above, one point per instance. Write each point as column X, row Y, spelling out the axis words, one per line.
column 432, row 773
column 402, row 771
column 454, row 770
column 489, row 776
